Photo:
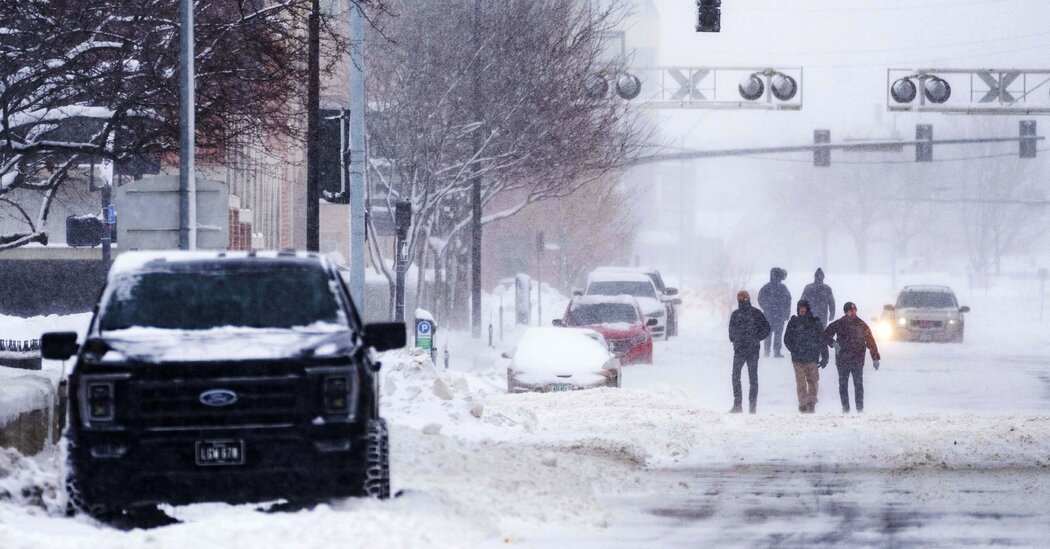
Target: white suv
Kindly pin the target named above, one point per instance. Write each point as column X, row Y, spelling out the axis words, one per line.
column 926, row 313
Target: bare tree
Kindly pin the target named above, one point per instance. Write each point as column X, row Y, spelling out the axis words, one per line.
column 97, row 80
column 465, row 89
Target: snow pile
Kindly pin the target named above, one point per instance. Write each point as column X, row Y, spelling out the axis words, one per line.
column 24, row 483
column 416, row 394
column 666, row 433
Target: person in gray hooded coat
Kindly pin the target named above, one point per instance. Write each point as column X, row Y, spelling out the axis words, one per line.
column 775, row 300
column 820, row 298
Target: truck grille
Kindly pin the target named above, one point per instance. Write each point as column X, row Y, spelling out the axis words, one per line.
column 176, row 404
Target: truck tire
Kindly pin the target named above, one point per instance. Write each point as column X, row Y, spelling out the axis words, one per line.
column 377, row 469
column 77, row 502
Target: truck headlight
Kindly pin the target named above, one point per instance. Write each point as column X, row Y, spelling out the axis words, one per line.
column 902, row 322
column 952, row 322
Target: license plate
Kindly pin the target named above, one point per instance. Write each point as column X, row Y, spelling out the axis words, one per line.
column 558, row 387
column 220, row 452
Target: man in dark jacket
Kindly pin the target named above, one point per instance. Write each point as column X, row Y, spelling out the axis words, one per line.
column 820, row 297
column 805, row 340
column 747, row 328
column 775, row 301
column 850, row 337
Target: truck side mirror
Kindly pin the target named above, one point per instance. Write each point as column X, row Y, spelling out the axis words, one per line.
column 964, row 309
column 670, row 291
column 558, row 322
column 889, row 308
column 651, row 322
column 385, row 336
column 58, row 345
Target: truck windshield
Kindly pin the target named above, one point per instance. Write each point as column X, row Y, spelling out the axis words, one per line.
column 602, row 313
column 622, row 287
column 283, row 297
column 926, row 300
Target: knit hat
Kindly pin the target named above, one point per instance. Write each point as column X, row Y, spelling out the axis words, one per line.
column 819, row 275
column 743, row 296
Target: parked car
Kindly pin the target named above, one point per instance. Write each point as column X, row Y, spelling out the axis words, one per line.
column 619, row 320
column 230, row 377
column 924, row 313
column 666, row 294
column 561, row 359
column 635, row 284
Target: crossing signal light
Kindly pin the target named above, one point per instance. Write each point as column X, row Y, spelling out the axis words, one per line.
column 709, row 18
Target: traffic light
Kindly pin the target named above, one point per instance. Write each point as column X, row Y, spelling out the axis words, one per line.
column 924, row 147
column 709, row 16
column 1028, row 140
column 822, row 156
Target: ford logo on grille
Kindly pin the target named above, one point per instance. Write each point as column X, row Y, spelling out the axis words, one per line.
column 218, row 397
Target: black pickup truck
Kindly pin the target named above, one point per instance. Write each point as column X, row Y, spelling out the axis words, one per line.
column 223, row 377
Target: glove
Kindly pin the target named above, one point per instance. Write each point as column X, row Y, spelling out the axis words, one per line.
column 875, row 363
column 823, row 364
column 836, row 346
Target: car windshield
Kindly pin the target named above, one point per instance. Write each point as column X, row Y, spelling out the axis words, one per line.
column 602, row 313
column 622, row 287
column 926, row 300
column 285, row 297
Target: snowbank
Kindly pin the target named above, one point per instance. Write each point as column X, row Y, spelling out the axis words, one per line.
column 665, row 433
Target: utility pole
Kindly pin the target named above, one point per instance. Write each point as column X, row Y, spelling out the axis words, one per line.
column 402, row 223
column 539, row 278
column 475, row 191
column 187, row 128
column 313, row 112
column 357, row 155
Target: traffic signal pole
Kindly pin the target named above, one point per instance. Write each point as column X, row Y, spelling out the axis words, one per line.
column 357, row 156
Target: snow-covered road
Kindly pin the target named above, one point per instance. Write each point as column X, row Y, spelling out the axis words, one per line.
column 954, row 448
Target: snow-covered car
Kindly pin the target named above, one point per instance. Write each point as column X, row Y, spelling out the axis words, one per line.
column 667, row 294
column 924, row 313
column 232, row 377
column 635, row 284
column 549, row 359
column 618, row 319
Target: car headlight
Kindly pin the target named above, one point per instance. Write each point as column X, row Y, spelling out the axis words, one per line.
column 952, row 322
column 902, row 322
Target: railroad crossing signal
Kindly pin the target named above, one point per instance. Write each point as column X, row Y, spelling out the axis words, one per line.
column 969, row 91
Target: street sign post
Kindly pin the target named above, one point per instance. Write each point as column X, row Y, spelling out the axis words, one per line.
column 425, row 329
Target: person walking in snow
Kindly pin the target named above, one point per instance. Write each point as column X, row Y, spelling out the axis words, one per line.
column 747, row 328
column 804, row 339
column 850, row 337
column 819, row 295
column 775, row 301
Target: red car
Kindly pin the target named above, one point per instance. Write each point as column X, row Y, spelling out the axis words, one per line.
column 620, row 321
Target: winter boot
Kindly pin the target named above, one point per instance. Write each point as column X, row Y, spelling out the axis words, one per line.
column 751, row 410
column 737, row 409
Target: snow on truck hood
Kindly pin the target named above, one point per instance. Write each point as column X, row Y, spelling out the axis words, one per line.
column 226, row 343
column 545, row 353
